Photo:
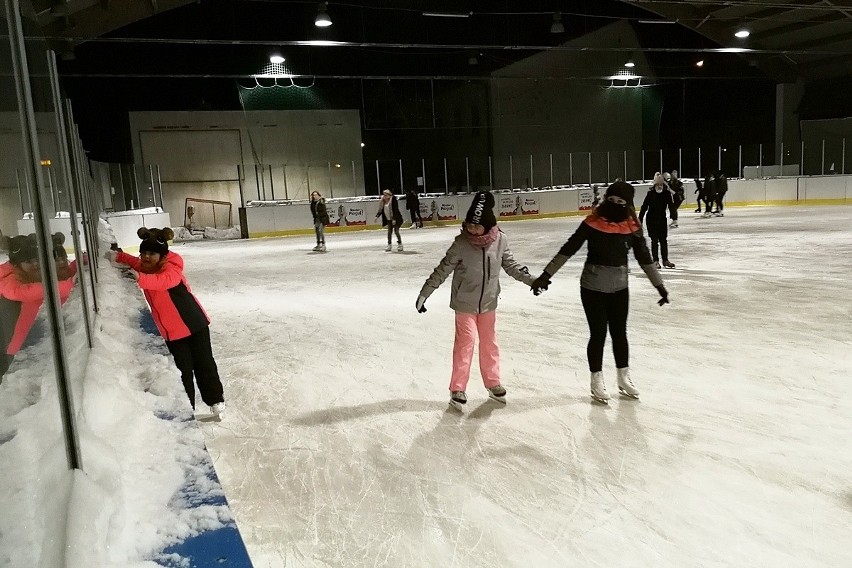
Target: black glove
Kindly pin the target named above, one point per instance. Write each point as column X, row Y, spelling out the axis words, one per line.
column 664, row 295
column 420, row 304
column 540, row 284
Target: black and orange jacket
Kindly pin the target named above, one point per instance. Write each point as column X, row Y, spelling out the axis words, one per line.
column 606, row 262
column 176, row 311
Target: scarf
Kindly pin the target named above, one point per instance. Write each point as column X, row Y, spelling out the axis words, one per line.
column 482, row 241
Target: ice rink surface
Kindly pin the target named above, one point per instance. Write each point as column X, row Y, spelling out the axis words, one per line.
column 338, row 448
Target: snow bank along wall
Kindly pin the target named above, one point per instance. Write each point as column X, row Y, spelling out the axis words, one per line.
column 266, row 219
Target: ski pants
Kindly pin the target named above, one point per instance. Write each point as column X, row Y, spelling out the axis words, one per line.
column 393, row 228
column 468, row 326
column 606, row 310
column 319, row 229
column 194, row 355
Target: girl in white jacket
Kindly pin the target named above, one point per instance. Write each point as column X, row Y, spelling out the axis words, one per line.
column 475, row 259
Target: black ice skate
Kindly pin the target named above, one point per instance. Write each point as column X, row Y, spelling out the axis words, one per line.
column 458, row 399
column 668, row 264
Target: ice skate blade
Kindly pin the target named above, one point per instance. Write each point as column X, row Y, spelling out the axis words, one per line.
column 627, row 394
column 456, row 405
column 600, row 400
column 500, row 399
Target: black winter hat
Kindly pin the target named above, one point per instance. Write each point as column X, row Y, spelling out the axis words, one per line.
column 21, row 248
column 481, row 211
column 621, row 189
column 155, row 240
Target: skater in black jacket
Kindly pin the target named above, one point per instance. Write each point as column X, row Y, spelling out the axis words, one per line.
column 609, row 231
column 709, row 194
column 721, row 190
column 320, row 215
column 412, row 203
column 678, row 196
column 658, row 202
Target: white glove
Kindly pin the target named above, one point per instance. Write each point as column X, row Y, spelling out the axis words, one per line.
column 420, row 304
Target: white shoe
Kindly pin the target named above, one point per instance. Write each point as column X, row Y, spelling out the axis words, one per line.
column 599, row 388
column 322, row 248
column 413, row 226
column 388, row 248
column 317, row 248
column 625, row 384
column 399, row 247
column 218, row 409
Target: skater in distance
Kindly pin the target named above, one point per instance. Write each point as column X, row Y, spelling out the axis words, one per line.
column 609, row 230
column 320, row 215
column 391, row 218
column 475, row 259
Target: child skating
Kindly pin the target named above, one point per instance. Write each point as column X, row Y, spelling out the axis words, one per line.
column 475, row 259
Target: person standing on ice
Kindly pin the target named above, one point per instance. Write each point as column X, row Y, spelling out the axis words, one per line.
column 678, row 197
column 475, row 259
column 320, row 214
column 391, row 218
column 412, row 203
column 179, row 317
column 721, row 189
column 609, row 230
column 658, row 202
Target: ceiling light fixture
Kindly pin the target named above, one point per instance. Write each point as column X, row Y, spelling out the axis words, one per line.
column 276, row 58
column 700, row 63
column 630, row 63
column 658, row 21
column 448, row 14
column 322, row 20
column 556, row 27
column 742, row 34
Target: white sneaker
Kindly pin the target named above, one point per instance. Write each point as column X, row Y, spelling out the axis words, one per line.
column 388, row 248
column 599, row 388
column 399, row 247
column 625, row 384
column 218, row 409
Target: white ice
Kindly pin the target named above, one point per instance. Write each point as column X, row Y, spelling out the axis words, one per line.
column 338, row 448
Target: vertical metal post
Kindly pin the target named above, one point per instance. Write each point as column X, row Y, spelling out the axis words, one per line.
column 532, row 177
column 625, row 165
column 782, row 158
column 153, row 185
column 661, row 160
column 423, row 169
column 551, row 171
column 53, row 196
column 121, row 184
column 240, row 184
column 590, row 168
column 608, row 178
column 490, row 174
column 843, row 158
column 699, row 162
column 378, row 178
column 20, row 191
column 802, row 160
column 401, row 181
column 284, row 174
column 719, row 159
column 160, row 188
column 257, row 182
column 446, row 179
column 467, row 172
column 760, row 158
column 643, row 165
column 271, row 184
column 740, row 163
column 511, row 174
column 136, row 187
column 354, row 181
column 308, row 178
column 680, row 162
column 21, row 75
column 330, row 185
column 823, row 157
column 571, row 168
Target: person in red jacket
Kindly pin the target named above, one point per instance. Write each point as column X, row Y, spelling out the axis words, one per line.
column 179, row 317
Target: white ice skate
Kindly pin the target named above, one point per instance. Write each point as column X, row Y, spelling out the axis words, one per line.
column 673, row 225
column 707, row 215
column 458, row 399
column 625, row 384
column 399, row 247
column 599, row 388
column 218, row 409
column 718, row 214
column 413, row 226
column 497, row 393
column 322, row 248
column 318, row 248
column 388, row 248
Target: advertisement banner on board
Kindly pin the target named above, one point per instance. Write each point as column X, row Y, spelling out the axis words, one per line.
column 587, row 199
column 446, row 210
column 509, row 205
column 529, row 204
column 427, row 209
column 356, row 214
column 334, row 214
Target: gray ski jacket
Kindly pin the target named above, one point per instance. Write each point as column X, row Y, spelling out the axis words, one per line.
column 476, row 274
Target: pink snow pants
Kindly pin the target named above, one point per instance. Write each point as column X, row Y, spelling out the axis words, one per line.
column 467, row 328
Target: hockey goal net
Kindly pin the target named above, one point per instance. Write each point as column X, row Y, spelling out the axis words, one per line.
column 200, row 214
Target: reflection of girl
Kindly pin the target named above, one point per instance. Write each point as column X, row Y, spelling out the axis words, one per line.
column 22, row 292
column 320, row 214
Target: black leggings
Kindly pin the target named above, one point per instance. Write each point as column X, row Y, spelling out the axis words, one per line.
column 193, row 355
column 416, row 213
column 606, row 309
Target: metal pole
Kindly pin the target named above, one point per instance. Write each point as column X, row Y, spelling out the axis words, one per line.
column 354, row 182
column 842, row 159
column 308, row 178
column 284, row 174
column 136, row 187
column 160, row 188
column 532, row 177
column 121, row 184
column 467, row 172
column 782, row 158
column 643, row 165
column 271, row 184
column 661, row 160
column 551, row 171
column 257, row 182
column 64, row 162
column 802, row 161
column 240, row 184
column 153, row 185
column 446, row 180
column 760, row 158
column 625, row 165
column 740, row 163
column 423, row 168
column 21, row 75
column 699, row 162
column 511, row 174
column 330, row 182
column 570, row 168
column 608, row 178
column 823, row 157
column 378, row 178
column 680, row 161
column 20, row 192
column 401, row 181
column 53, row 196
column 490, row 175
column 719, row 159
